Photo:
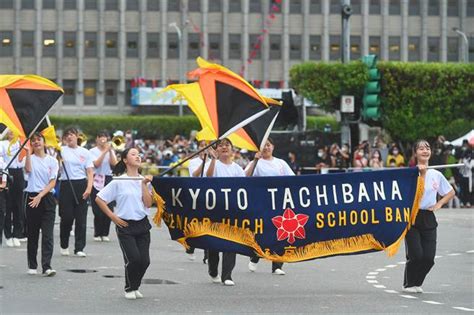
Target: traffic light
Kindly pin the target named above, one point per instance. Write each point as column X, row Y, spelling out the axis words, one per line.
column 371, row 99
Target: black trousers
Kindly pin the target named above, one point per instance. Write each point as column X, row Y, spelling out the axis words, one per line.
column 3, row 205
column 275, row 265
column 228, row 264
column 420, row 247
column 15, row 216
column 465, row 195
column 101, row 221
column 41, row 218
column 69, row 212
column 134, row 241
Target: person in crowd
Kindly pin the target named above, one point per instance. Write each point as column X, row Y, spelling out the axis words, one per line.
column 420, row 240
column 394, row 153
column 42, row 170
column 392, row 163
column 465, row 178
column 240, row 159
column 360, row 159
column 339, row 158
column 375, row 159
column 75, row 188
column 221, row 165
column 104, row 159
column 133, row 201
column 265, row 164
column 323, row 161
column 295, row 167
column 3, row 196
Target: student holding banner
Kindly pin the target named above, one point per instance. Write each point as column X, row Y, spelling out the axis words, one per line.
column 221, row 165
column 265, row 164
column 420, row 241
column 133, row 198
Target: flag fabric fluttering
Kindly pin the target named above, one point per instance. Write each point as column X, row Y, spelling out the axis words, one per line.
column 228, row 106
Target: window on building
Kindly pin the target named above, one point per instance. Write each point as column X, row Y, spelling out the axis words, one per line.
column 295, row 47
column 132, row 44
column 194, row 5
column 111, row 5
column 132, row 5
column 394, row 7
column 215, row 46
column 374, row 45
column 111, row 49
column 374, row 7
column 69, row 97
column 235, row 51
column 215, row 5
column 470, row 10
column 153, row 45
column 27, row 44
column 433, row 7
column 414, row 7
column 255, row 6
column 27, row 4
column 49, row 4
column 355, row 47
column 453, row 7
column 315, row 47
column 69, row 44
column 255, row 46
column 235, row 6
column 433, row 49
column 334, row 47
column 173, row 6
column 153, row 5
column 49, row 44
column 111, row 88
column 90, row 44
column 413, row 48
column 394, row 47
column 315, row 7
column 173, row 47
column 7, row 44
column 453, row 48
column 275, row 46
column 194, row 46
column 90, row 92
column 90, row 4
column 335, row 7
column 6, row 4
column 356, row 6
column 128, row 92
column 70, row 4
column 296, row 7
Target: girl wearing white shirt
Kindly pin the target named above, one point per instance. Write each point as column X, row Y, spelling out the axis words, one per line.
column 265, row 164
column 42, row 170
column 104, row 159
column 77, row 172
column 223, row 167
column 3, row 196
column 133, row 199
column 420, row 241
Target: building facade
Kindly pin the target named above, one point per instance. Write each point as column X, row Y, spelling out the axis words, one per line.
column 94, row 48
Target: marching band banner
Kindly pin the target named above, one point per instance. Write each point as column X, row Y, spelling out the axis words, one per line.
column 292, row 218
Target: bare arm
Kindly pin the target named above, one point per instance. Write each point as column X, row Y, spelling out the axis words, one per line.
column 146, row 195
column 35, row 201
column 28, row 161
column 443, row 201
column 90, row 179
column 106, row 210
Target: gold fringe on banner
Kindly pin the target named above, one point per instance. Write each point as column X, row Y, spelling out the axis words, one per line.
column 160, row 208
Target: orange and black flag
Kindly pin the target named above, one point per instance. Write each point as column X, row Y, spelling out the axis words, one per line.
column 24, row 102
column 228, row 106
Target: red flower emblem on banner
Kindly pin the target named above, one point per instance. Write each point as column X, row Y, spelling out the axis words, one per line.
column 290, row 226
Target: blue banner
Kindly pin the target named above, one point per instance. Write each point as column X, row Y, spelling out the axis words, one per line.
column 292, row 218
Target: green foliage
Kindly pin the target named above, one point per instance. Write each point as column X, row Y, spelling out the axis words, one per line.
column 418, row 100
column 318, row 122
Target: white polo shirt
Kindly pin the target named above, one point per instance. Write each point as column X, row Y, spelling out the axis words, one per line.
column 435, row 183
column 104, row 168
column 228, row 170
column 43, row 170
column 195, row 163
column 272, row 167
column 77, row 161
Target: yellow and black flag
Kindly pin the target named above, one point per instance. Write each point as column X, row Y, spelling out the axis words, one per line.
column 228, row 106
column 24, row 102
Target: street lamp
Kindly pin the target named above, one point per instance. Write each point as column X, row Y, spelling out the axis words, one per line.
column 180, row 58
column 463, row 35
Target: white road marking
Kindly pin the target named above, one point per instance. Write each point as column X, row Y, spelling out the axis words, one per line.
column 433, row 302
column 401, row 262
column 470, row 251
column 380, row 286
column 391, row 291
column 454, row 254
column 370, row 277
column 390, row 266
column 372, row 281
column 463, row 309
column 409, row 296
column 373, row 273
column 380, row 269
column 438, row 256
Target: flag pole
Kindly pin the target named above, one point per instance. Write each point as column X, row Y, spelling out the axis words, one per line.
column 445, row 166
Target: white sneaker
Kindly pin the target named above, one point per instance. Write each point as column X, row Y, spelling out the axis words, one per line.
column 229, row 283
column 16, row 242
column 252, row 266
column 64, row 251
column 216, row 279
column 72, row 233
column 98, row 239
column 32, row 272
column 138, row 294
column 279, row 272
column 9, row 242
column 419, row 290
column 130, row 295
column 23, row 240
column 410, row 290
column 49, row 273
column 81, row 254
column 105, row 239
column 191, row 257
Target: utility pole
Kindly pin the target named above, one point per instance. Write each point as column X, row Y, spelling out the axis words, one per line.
column 346, row 12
